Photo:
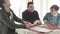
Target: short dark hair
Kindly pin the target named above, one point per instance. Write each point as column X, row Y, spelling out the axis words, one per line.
column 55, row 7
column 1, row 3
column 29, row 3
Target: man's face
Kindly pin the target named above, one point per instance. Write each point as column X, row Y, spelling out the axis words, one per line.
column 7, row 3
column 31, row 7
column 53, row 12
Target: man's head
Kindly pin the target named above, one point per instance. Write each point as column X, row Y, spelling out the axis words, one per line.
column 4, row 3
column 54, row 9
column 30, row 6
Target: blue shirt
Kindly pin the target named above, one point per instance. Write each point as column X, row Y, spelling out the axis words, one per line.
column 51, row 20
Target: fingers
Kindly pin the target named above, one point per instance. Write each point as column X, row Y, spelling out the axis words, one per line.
column 37, row 22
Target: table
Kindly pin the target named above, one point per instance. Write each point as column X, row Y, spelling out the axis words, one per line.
column 57, row 31
column 24, row 31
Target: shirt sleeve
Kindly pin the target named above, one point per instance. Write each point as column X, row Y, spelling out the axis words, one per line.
column 36, row 16
column 24, row 16
column 16, row 18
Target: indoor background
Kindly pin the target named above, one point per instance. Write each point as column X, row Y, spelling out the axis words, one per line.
column 42, row 6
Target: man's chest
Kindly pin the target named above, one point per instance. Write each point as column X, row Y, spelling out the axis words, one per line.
column 31, row 16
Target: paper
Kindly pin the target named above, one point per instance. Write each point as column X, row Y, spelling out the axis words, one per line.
column 40, row 29
column 58, row 26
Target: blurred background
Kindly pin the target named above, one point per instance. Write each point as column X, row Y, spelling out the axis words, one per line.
column 42, row 6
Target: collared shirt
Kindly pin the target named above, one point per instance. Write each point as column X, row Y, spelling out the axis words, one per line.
column 30, row 16
column 52, row 20
column 55, row 15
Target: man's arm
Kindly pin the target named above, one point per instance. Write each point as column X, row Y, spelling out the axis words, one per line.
column 24, row 16
column 37, row 19
column 16, row 18
column 22, row 21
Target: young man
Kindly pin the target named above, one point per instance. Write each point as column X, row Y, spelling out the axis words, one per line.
column 7, row 18
column 31, row 15
column 53, row 18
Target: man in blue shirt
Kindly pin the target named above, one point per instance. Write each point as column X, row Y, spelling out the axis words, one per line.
column 53, row 18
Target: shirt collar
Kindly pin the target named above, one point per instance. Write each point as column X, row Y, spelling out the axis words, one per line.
column 55, row 15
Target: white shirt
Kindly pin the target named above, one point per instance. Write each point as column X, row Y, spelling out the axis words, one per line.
column 0, row 8
column 55, row 15
column 11, row 16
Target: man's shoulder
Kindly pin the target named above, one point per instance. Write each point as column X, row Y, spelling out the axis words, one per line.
column 35, row 11
column 24, row 12
column 11, row 10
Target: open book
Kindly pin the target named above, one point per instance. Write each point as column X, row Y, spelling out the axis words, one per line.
column 40, row 29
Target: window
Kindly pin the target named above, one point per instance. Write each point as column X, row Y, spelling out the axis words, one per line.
column 42, row 6
column 18, row 6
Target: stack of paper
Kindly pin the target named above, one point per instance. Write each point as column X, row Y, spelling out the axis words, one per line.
column 40, row 29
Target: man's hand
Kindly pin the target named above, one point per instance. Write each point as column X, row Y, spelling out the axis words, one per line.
column 52, row 26
column 28, row 24
column 37, row 22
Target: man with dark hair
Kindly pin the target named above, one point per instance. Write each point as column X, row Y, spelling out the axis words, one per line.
column 31, row 15
column 29, row 3
column 53, row 18
column 7, row 18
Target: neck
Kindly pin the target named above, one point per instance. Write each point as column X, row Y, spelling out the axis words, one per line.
column 7, row 9
column 30, row 10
